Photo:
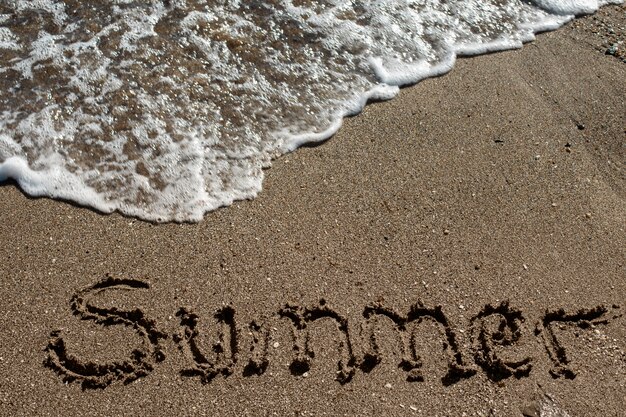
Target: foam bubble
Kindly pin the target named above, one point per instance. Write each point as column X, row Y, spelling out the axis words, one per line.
column 568, row 7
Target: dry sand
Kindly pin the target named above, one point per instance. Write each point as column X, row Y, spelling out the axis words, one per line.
column 459, row 250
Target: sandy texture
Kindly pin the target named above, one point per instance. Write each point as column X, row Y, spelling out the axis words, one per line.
column 456, row 251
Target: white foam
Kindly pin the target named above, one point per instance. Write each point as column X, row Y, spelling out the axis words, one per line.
column 568, row 7
column 165, row 113
column 573, row 7
column 54, row 183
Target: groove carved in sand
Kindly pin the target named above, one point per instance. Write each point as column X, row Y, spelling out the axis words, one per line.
column 411, row 362
column 94, row 375
column 301, row 318
column 495, row 335
column 224, row 350
column 490, row 339
column 583, row 319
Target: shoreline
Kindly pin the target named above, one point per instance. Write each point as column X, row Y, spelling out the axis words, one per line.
column 58, row 183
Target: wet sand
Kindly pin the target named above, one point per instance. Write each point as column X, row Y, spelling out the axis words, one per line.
column 456, row 251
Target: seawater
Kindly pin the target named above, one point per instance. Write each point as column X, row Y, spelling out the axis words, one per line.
column 167, row 109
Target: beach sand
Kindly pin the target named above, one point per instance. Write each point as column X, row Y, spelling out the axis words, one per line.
column 459, row 250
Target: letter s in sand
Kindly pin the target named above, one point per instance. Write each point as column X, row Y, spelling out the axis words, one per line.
column 100, row 375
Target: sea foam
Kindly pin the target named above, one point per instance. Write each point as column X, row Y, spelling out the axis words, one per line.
column 167, row 109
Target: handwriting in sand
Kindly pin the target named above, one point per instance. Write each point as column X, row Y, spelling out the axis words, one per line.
column 493, row 332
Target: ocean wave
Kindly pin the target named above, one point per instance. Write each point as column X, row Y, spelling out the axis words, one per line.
column 167, row 109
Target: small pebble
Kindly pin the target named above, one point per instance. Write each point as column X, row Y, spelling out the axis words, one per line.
column 612, row 50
